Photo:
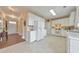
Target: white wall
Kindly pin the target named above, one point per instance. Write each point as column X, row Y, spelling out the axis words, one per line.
column 48, row 28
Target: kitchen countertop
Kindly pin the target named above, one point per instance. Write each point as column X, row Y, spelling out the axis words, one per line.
column 73, row 34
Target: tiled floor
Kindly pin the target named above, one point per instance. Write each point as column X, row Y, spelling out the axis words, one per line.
column 49, row 44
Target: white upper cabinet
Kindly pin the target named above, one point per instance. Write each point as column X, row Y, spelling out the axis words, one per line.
column 72, row 18
column 64, row 21
column 67, row 21
column 31, row 19
column 77, row 16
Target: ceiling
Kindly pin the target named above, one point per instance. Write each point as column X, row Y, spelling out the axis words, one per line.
column 43, row 11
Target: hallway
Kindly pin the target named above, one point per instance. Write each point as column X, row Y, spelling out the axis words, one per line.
column 49, row 44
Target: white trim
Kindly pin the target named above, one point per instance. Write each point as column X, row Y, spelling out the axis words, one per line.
column 12, row 22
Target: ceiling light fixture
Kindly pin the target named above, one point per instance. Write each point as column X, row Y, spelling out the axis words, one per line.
column 52, row 12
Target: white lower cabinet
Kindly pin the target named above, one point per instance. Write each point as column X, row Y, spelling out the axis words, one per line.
column 74, row 46
column 32, row 36
column 73, row 42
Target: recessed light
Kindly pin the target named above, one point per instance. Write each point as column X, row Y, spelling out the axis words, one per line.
column 52, row 12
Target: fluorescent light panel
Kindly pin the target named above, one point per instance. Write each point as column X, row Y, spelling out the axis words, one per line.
column 52, row 12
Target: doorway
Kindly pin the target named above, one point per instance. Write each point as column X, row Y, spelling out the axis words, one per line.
column 13, row 36
column 11, row 27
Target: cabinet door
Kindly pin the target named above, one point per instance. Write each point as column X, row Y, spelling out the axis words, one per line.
column 72, row 18
column 74, row 46
column 32, row 36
